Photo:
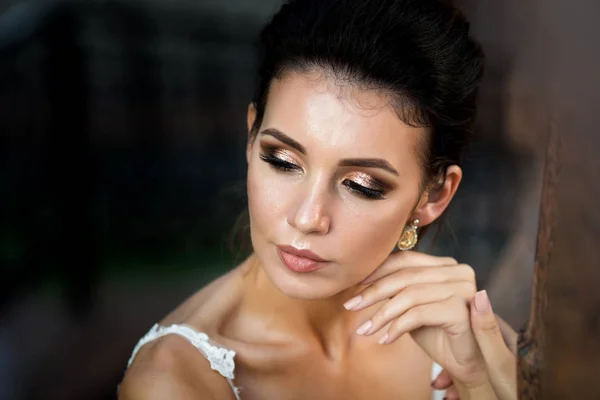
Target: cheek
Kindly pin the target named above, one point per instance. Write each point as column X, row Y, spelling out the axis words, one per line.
column 266, row 200
column 367, row 245
column 369, row 231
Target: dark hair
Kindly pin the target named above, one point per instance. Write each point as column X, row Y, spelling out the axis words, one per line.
column 417, row 51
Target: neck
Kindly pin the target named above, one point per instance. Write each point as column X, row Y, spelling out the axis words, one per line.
column 325, row 320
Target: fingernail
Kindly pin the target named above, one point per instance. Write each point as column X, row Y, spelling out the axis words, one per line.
column 353, row 303
column 383, row 339
column 482, row 302
column 364, row 328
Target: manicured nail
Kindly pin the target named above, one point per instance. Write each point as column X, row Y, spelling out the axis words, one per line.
column 482, row 302
column 364, row 328
column 353, row 303
column 383, row 339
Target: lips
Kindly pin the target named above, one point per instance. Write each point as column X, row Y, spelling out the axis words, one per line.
column 297, row 260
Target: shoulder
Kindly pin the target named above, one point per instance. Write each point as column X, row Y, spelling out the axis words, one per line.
column 205, row 309
column 171, row 367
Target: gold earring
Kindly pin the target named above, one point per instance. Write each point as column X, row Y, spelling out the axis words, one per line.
column 409, row 237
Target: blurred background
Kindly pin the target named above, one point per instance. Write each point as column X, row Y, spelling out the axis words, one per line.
column 122, row 133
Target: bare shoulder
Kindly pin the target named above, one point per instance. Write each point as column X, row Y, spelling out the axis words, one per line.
column 167, row 369
column 170, row 366
column 205, row 309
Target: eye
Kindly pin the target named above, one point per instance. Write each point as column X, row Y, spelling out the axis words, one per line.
column 279, row 164
column 363, row 191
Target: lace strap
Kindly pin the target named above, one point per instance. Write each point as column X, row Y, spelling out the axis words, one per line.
column 220, row 358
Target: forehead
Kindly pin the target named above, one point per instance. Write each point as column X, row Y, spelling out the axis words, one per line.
column 325, row 114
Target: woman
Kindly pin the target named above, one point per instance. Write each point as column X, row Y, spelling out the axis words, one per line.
column 356, row 134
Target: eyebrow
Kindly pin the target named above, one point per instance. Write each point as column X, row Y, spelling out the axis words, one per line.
column 349, row 162
column 282, row 137
column 368, row 163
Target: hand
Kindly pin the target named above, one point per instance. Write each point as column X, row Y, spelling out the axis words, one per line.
column 429, row 298
column 501, row 365
column 499, row 356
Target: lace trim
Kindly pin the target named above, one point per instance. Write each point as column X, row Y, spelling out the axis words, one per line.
column 220, row 358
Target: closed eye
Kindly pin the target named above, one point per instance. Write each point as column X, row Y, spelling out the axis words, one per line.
column 363, row 191
column 279, row 161
column 279, row 164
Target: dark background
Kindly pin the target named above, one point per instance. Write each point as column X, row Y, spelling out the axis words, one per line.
column 122, row 133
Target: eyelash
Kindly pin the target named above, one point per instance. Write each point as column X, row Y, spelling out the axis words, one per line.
column 279, row 164
column 363, row 191
column 359, row 190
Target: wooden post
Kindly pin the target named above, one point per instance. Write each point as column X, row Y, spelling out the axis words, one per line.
column 559, row 352
column 532, row 340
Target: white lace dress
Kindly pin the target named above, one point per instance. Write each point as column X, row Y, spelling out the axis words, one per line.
column 220, row 358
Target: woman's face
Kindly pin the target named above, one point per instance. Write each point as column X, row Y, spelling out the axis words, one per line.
column 332, row 170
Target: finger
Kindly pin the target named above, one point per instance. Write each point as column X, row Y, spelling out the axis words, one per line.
column 452, row 394
column 443, row 381
column 452, row 315
column 417, row 295
column 407, row 259
column 509, row 335
column 486, row 328
column 390, row 285
column 501, row 362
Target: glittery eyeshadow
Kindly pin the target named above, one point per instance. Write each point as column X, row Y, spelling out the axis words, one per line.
column 365, row 180
column 283, row 155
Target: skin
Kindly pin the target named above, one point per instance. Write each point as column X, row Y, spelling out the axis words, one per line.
column 498, row 344
column 295, row 334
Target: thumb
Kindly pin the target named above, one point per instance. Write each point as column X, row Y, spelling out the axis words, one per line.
column 501, row 362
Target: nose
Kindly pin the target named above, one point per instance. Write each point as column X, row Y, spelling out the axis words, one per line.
column 309, row 214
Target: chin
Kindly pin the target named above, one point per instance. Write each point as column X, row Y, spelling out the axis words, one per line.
column 303, row 291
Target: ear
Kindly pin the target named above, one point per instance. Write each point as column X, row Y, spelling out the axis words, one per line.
column 435, row 201
column 250, row 118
